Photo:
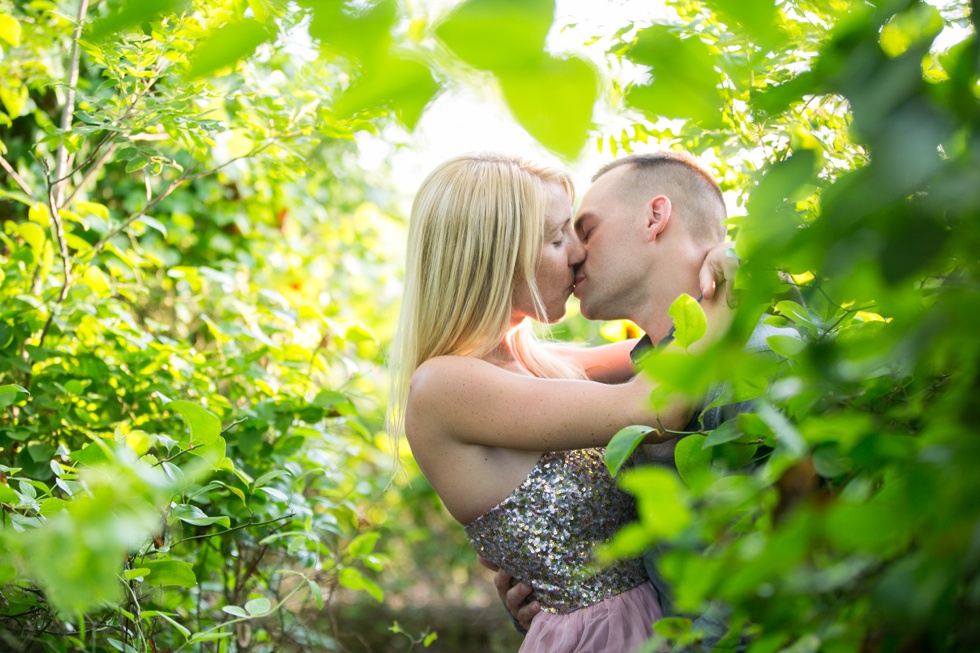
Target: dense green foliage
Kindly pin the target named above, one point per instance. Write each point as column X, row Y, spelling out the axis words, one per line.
column 197, row 282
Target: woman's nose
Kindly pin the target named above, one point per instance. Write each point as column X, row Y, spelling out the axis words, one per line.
column 576, row 253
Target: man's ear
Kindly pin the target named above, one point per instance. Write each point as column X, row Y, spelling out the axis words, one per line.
column 657, row 216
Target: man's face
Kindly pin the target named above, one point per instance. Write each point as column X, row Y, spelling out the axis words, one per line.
column 612, row 235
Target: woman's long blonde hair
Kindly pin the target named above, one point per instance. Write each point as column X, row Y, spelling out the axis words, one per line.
column 477, row 228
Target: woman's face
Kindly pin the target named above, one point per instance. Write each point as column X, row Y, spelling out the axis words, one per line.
column 561, row 252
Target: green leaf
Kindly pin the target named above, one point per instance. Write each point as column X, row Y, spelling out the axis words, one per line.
column 786, row 346
column 130, row 13
column 498, row 35
column 662, row 500
column 13, row 388
column 213, row 452
column 14, row 97
column 7, row 495
column 685, row 83
column 136, row 163
column 726, row 432
column 327, row 399
column 795, row 312
column 139, row 572
column 258, row 607
column 786, row 434
column 317, row 594
column 758, row 17
column 93, row 453
column 917, row 23
column 234, row 610
column 165, row 573
column 10, row 29
column 225, row 46
column 146, row 614
column 354, row 580
column 622, row 445
column 693, row 462
column 402, row 85
column 33, row 235
column 194, row 515
column 363, row 35
column 205, row 425
column 690, row 324
column 533, row 91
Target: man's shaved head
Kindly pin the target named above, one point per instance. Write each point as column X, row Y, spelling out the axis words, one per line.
column 693, row 192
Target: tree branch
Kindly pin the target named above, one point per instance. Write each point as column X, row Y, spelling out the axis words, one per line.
column 17, row 178
column 61, row 158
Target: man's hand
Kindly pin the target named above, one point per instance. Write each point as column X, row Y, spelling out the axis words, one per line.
column 513, row 594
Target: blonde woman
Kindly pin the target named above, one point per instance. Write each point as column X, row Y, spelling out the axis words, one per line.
column 509, row 430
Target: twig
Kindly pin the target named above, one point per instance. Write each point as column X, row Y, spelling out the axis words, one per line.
column 91, row 171
column 68, row 110
column 179, row 453
column 233, row 529
column 17, row 178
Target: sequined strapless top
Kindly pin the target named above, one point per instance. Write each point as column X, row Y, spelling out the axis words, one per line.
column 546, row 531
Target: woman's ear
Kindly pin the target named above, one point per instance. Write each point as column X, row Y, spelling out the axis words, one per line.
column 657, row 216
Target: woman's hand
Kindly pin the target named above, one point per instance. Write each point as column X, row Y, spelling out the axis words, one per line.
column 718, row 270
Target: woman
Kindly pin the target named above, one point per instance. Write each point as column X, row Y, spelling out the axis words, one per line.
column 508, row 430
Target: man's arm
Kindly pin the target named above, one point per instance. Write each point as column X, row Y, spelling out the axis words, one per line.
column 514, row 595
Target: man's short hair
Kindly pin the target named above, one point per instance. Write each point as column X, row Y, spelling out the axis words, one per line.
column 680, row 176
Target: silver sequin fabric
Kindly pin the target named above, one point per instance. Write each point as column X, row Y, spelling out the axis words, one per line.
column 546, row 531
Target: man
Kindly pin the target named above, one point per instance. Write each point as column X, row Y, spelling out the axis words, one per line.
column 647, row 223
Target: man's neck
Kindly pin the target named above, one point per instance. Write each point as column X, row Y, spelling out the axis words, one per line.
column 674, row 277
column 652, row 316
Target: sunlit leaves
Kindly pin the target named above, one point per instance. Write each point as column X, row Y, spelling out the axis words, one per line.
column 553, row 99
column 403, row 85
column 918, row 22
column 684, row 81
column 498, row 35
column 130, row 13
column 10, row 30
column 225, row 46
column 362, row 33
column 759, row 18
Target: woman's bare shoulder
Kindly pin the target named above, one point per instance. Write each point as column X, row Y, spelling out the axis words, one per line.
column 441, row 376
column 442, row 371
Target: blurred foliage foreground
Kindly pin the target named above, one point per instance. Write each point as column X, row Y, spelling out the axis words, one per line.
column 197, row 282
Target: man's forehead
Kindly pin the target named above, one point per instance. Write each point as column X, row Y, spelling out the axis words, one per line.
column 600, row 194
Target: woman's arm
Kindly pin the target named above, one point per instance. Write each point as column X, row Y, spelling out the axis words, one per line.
column 470, row 401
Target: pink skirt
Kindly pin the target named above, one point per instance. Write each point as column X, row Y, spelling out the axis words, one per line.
column 619, row 624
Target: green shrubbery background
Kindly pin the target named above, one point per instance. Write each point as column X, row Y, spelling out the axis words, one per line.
column 198, row 281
